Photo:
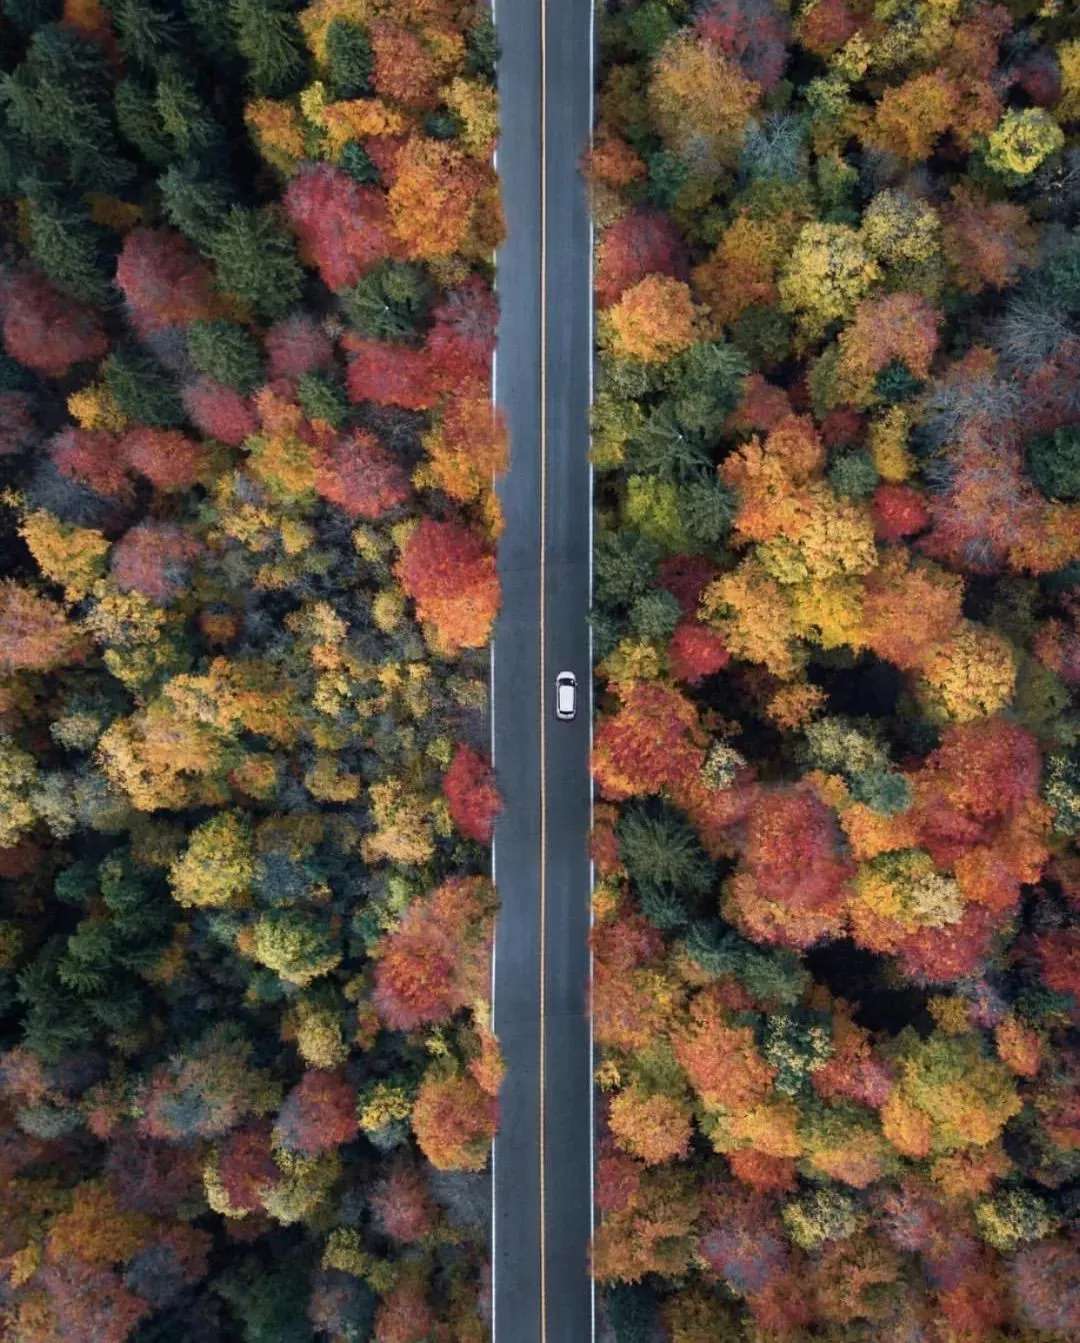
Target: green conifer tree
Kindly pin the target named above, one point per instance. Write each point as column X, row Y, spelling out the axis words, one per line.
column 257, row 262
column 226, row 352
column 195, row 204
column 389, row 302
column 60, row 99
column 140, row 122
column 350, row 58
column 269, row 39
column 73, row 251
column 142, row 389
column 145, row 32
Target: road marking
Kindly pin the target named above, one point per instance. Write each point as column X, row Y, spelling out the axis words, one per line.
column 592, row 788
column 543, row 666
column 491, row 720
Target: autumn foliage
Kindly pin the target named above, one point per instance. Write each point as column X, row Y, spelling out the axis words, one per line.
column 361, row 477
column 341, row 225
column 435, row 963
column 247, row 582
column 454, row 1122
column 44, row 330
column 470, row 792
column 835, row 967
column 450, row 574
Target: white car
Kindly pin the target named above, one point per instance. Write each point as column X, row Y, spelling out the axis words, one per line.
column 565, row 695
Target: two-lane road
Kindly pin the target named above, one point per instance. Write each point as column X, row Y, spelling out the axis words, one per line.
column 543, row 1155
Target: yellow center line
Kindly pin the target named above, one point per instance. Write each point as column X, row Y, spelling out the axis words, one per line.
column 543, row 667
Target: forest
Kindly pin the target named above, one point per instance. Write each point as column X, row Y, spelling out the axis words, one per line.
column 247, row 532
column 836, row 442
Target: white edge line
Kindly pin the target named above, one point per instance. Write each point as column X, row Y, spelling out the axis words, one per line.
column 491, row 721
column 592, row 692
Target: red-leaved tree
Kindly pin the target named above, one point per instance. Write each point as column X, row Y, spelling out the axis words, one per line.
column 639, row 244
column 449, row 572
column 318, row 1114
column 45, row 330
column 470, row 792
column 650, row 743
column 219, row 411
column 390, row 374
column 246, row 1166
column 342, row 226
column 296, row 346
column 361, row 477
column 899, row 511
column 154, row 558
column 404, row 1315
column 401, row 1202
column 16, row 423
column 462, row 339
column 37, row 635
column 436, row 961
column 752, row 32
column 164, row 280
column 792, row 880
column 454, row 1121
column 695, row 651
column 166, row 457
column 92, row 457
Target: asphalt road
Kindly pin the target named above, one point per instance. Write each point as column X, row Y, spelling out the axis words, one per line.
column 542, row 1188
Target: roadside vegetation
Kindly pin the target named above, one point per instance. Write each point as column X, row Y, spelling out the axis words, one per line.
column 247, row 1080
column 837, row 626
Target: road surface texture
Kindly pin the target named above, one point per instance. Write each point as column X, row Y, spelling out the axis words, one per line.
column 542, row 1187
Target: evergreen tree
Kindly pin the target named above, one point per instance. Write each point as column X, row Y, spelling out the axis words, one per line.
column 854, row 474
column 212, row 24
column 708, row 385
column 668, row 174
column 763, row 335
column 625, row 567
column 358, row 163
column 196, row 205
column 390, row 302
column 350, row 58
column 185, row 118
column 664, row 447
column 482, row 42
column 322, row 397
column 54, row 1023
column 145, row 32
column 227, row 353
column 442, row 124
column 142, row 389
column 770, row 974
column 269, row 39
column 269, row 1299
column 16, row 157
column 631, row 1312
column 140, row 122
column 27, row 15
column 655, row 614
column 663, row 855
column 69, row 247
column 257, row 262
column 650, row 26
column 1054, row 462
column 896, row 383
column 707, row 508
column 60, row 99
